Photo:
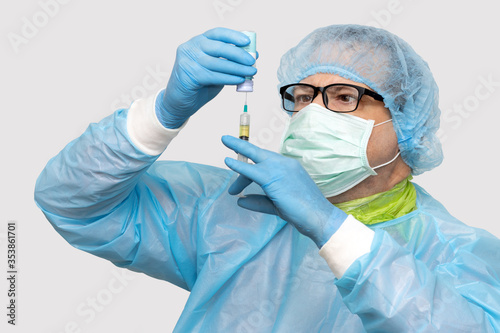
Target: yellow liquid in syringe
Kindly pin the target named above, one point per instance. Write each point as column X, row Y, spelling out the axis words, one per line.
column 244, row 130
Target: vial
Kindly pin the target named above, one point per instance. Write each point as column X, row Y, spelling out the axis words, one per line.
column 247, row 85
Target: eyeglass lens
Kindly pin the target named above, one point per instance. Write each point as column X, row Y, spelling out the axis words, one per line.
column 339, row 98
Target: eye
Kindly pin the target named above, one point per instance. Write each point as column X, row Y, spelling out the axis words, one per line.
column 297, row 96
column 303, row 98
column 346, row 98
column 340, row 94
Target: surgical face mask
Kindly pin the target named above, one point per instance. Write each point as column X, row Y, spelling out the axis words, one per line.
column 331, row 147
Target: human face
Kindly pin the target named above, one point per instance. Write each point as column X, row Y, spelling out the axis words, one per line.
column 382, row 145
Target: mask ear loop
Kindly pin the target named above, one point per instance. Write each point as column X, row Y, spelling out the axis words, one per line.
column 382, row 165
column 382, row 123
column 394, row 158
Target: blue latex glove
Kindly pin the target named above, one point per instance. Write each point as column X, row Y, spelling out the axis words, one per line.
column 203, row 65
column 290, row 192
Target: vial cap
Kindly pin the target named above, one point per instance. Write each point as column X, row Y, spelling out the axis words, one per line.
column 246, row 86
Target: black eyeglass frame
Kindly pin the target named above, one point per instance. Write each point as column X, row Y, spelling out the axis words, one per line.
column 362, row 91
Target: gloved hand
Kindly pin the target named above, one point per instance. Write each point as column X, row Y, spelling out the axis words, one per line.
column 290, row 192
column 203, row 65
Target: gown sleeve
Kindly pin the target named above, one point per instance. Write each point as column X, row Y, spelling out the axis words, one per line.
column 445, row 279
column 98, row 195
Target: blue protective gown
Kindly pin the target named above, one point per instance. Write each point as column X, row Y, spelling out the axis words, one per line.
column 251, row 272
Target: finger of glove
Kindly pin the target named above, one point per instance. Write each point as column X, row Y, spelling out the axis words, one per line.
column 250, row 171
column 191, row 76
column 228, row 51
column 224, row 66
column 239, row 185
column 245, row 148
column 216, row 79
column 258, row 203
column 228, row 36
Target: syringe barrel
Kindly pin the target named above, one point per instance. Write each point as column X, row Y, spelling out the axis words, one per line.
column 245, row 118
column 242, row 158
column 244, row 126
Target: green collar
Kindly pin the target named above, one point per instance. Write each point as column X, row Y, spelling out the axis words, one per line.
column 385, row 206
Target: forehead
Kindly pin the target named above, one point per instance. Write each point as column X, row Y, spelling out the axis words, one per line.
column 324, row 79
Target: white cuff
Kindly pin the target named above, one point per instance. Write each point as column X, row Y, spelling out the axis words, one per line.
column 351, row 241
column 145, row 130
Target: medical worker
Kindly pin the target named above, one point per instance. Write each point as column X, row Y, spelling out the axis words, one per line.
column 331, row 234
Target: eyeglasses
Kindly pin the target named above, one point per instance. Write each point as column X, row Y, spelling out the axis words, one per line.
column 338, row 97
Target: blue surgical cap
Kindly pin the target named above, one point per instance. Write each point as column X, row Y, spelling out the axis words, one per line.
column 388, row 65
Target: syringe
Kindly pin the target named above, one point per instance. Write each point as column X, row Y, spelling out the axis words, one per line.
column 246, row 87
column 244, row 128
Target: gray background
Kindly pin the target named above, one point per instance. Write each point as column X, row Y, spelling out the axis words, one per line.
column 74, row 69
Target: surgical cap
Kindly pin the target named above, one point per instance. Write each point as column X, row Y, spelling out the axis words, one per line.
column 386, row 64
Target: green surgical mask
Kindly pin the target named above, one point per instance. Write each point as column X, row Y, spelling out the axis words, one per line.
column 331, row 147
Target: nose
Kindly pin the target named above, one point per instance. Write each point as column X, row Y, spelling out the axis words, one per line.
column 319, row 100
